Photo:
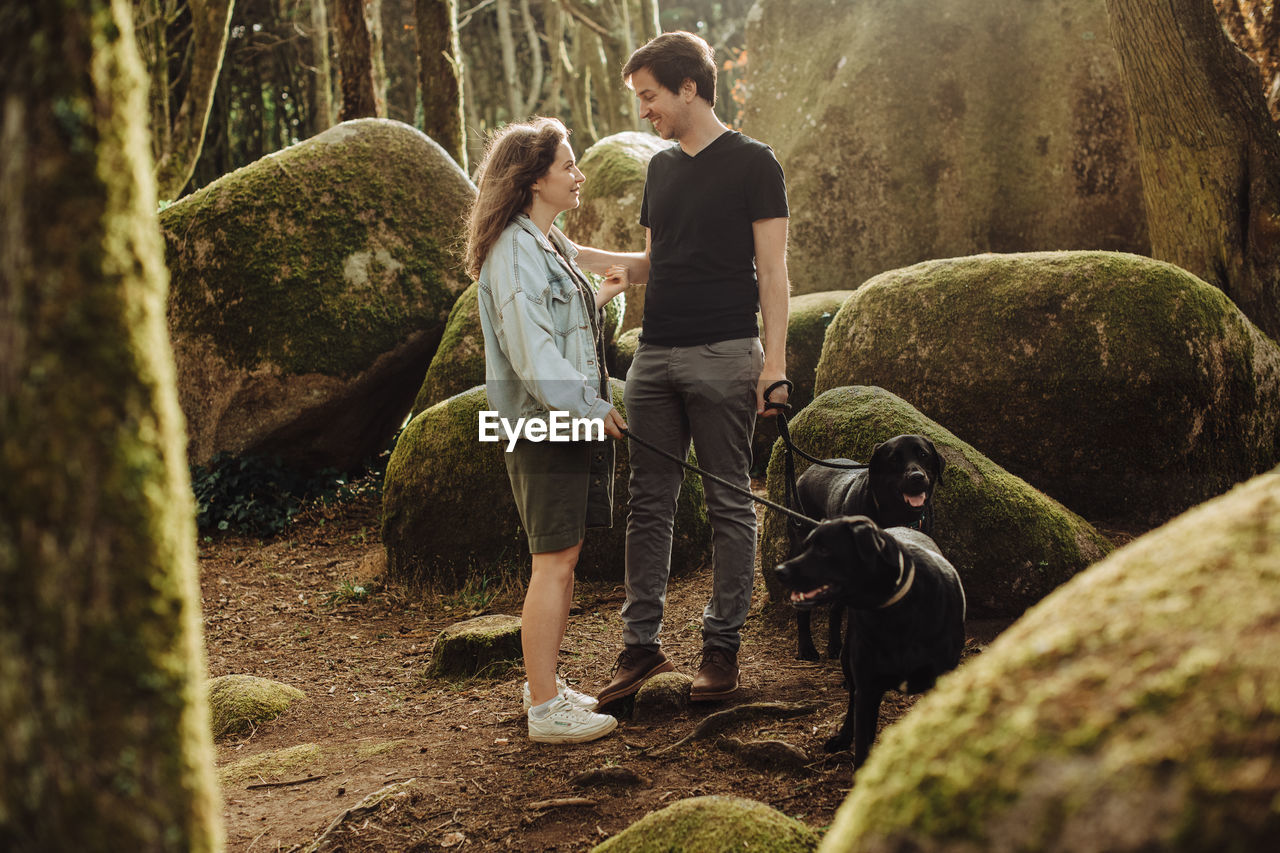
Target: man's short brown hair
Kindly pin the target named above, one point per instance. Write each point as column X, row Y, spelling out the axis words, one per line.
column 673, row 58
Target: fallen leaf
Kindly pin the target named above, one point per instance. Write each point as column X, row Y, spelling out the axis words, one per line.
column 453, row 839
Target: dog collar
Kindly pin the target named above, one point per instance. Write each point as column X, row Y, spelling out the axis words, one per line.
column 904, row 585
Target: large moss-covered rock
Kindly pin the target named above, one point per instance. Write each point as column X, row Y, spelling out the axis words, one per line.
column 448, row 514
column 309, row 291
column 713, row 825
column 608, row 216
column 1136, row 708
column 1125, row 387
column 458, row 364
column 238, row 703
column 810, row 315
column 1011, row 544
column 1013, row 134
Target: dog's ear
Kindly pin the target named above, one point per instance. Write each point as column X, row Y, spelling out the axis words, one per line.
column 879, row 455
column 939, row 462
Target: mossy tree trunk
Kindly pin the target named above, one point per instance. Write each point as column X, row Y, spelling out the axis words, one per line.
column 104, row 734
column 1207, row 148
column 440, row 76
column 355, row 62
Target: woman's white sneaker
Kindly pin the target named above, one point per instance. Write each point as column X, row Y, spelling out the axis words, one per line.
column 581, row 700
column 565, row 722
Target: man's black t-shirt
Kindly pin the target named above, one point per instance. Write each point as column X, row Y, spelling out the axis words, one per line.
column 702, row 276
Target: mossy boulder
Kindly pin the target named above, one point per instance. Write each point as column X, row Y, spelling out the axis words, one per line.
column 608, row 216
column 1011, row 544
column 1013, row 136
column 238, row 703
column 810, row 315
column 448, row 515
column 458, row 364
column 713, row 825
column 479, row 646
column 1136, row 708
column 663, row 696
column 623, row 353
column 1126, row 388
column 309, row 290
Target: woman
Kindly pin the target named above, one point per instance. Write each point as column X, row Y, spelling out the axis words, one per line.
column 544, row 352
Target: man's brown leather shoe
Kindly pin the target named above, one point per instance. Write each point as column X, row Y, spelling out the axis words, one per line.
column 717, row 676
column 635, row 666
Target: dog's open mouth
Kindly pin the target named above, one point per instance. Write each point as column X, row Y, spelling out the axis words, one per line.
column 805, row 600
column 915, row 501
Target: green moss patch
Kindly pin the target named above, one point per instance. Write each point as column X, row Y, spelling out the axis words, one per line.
column 272, row 766
column 458, row 364
column 238, row 703
column 1136, row 708
column 449, row 517
column 713, row 825
column 1011, row 544
column 478, row 646
column 1125, row 387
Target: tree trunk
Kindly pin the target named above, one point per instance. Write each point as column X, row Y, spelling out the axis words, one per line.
column 440, row 76
column 510, row 73
column 322, row 73
column 1207, row 148
column 373, row 23
column 209, row 22
column 104, row 739
column 355, row 62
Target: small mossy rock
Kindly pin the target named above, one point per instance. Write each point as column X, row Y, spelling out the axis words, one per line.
column 1136, row 708
column 1011, row 544
column 1126, row 388
column 458, row 364
column 1014, row 137
column 810, row 315
column 776, row 756
column 663, row 696
column 477, row 646
column 713, row 825
column 623, row 353
column 271, row 766
column 238, row 703
column 448, row 514
column 608, row 216
column 309, row 290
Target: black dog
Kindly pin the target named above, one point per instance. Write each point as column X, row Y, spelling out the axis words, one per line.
column 906, row 613
column 895, row 490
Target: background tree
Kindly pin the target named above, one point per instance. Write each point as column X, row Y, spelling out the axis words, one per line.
column 1207, row 147
column 1254, row 25
column 104, row 733
column 355, row 62
column 182, row 44
column 440, row 76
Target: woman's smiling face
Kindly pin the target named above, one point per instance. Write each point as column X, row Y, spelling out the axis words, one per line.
column 558, row 188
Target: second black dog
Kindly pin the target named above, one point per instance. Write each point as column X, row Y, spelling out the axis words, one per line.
column 895, row 490
column 906, row 613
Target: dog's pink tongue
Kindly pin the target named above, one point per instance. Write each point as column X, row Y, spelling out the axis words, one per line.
column 916, row 501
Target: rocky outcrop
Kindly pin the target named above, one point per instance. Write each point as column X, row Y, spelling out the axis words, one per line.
column 309, row 291
column 1011, row 544
column 1124, row 387
column 448, row 516
column 1013, row 134
column 713, row 825
column 1136, row 708
column 608, row 216
column 485, row 645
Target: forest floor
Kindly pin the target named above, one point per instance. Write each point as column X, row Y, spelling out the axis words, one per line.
column 309, row 608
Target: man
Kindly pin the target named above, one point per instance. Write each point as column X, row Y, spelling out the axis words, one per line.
column 715, row 218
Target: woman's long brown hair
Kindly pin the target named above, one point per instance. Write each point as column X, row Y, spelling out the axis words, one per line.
column 516, row 156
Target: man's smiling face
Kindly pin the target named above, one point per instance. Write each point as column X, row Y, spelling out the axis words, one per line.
column 664, row 109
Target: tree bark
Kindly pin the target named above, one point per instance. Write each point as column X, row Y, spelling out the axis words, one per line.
column 440, row 76
column 104, row 740
column 1208, row 151
column 511, row 74
column 355, row 62
column 209, row 21
column 322, row 72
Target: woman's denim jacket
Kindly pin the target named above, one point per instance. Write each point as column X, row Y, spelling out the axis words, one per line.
column 539, row 341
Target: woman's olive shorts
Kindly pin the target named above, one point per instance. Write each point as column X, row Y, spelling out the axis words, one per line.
column 561, row 489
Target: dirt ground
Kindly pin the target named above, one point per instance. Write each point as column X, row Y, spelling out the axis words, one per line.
column 291, row 609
